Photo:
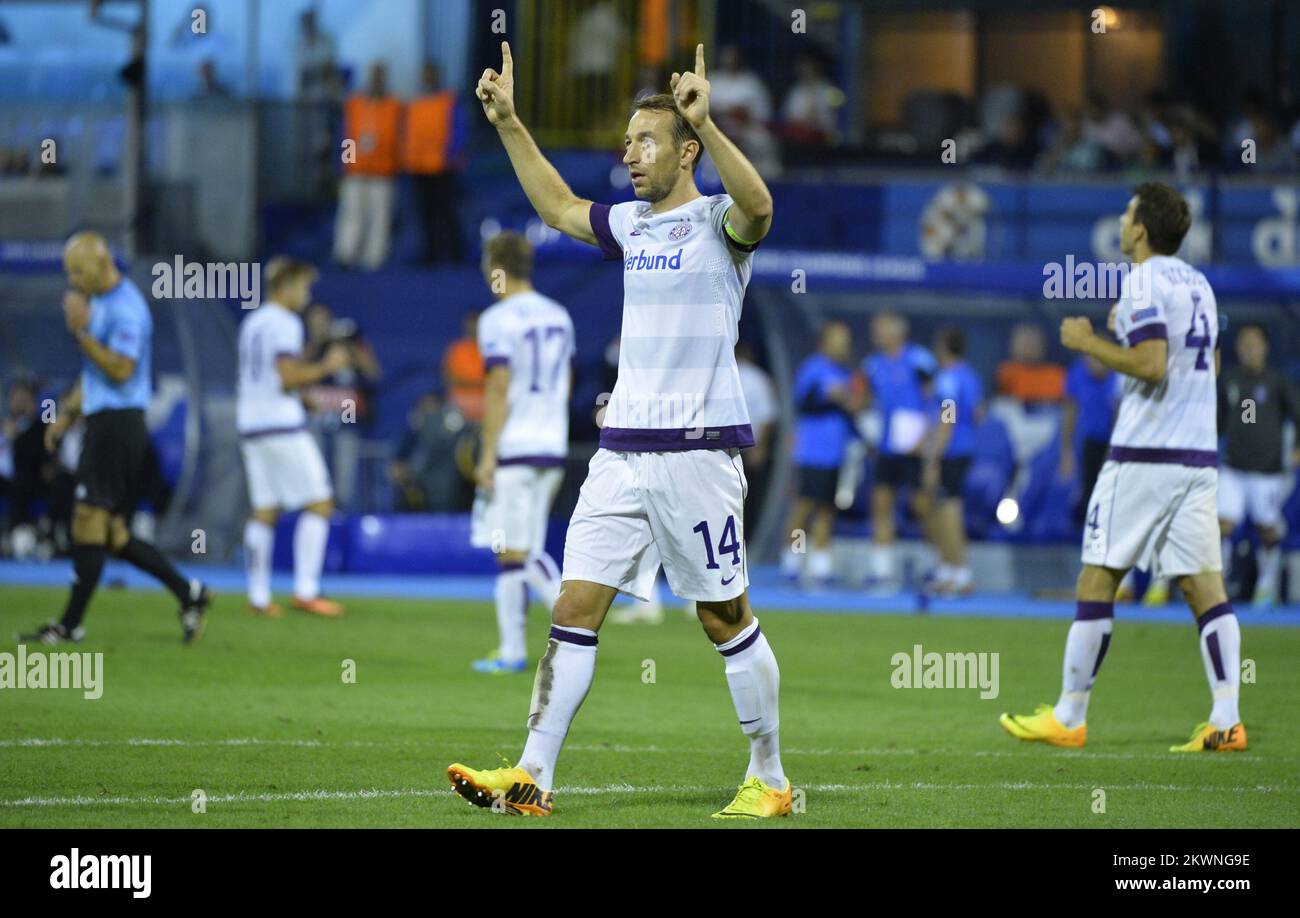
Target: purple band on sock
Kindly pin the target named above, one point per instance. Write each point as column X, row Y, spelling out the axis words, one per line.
column 583, row 640
column 1216, row 658
column 1101, row 654
column 511, row 566
column 1222, row 609
column 743, row 644
column 1087, row 610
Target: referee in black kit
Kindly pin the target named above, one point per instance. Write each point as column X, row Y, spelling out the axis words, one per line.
column 110, row 321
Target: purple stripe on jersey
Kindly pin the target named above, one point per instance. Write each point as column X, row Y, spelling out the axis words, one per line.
column 269, row 431
column 654, row 440
column 1147, row 332
column 1197, row 458
column 1222, row 609
column 599, row 217
column 1089, row 610
column 583, row 640
column 743, row 645
column 541, row 462
column 490, row 362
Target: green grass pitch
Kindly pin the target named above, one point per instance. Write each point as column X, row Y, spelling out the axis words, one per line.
column 258, row 717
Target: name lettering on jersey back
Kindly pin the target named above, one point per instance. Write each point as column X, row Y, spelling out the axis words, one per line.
column 643, row 262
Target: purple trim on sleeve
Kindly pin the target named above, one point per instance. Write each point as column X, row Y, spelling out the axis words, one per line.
column 490, row 362
column 541, row 462
column 1147, row 332
column 1090, row 610
column 656, row 440
column 609, row 247
column 1197, row 458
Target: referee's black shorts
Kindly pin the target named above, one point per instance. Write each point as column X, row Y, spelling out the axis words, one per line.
column 114, row 457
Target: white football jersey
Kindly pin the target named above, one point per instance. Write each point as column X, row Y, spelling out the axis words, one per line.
column 683, row 284
column 267, row 333
column 532, row 335
column 1175, row 421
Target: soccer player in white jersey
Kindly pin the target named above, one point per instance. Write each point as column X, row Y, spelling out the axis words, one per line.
column 527, row 344
column 1154, row 502
column 666, row 488
column 282, row 463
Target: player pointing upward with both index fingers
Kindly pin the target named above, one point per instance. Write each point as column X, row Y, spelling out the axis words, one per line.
column 666, row 487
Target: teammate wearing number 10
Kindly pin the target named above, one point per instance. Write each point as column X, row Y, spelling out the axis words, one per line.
column 1154, row 502
column 666, row 488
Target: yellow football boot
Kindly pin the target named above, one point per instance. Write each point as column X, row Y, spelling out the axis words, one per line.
column 504, row 790
column 1207, row 738
column 755, row 800
column 1042, row 726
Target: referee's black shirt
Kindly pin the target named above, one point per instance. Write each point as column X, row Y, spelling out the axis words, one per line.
column 1257, row 446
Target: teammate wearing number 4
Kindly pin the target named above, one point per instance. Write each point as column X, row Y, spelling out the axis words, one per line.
column 1154, row 502
column 666, row 488
column 527, row 344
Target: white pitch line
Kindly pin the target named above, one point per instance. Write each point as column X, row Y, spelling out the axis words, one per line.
column 34, row 743
column 377, row 794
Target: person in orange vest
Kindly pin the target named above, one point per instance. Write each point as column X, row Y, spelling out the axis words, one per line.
column 432, row 153
column 363, row 226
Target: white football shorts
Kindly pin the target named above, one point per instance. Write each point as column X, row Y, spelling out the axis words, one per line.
column 1159, row 516
column 513, row 515
column 285, row 471
column 1255, row 494
column 682, row 510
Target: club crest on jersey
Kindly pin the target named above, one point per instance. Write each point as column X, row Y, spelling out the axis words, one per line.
column 680, row 231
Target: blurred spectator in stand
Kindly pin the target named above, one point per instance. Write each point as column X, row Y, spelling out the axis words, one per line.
column 340, row 406
column 363, row 228
column 463, row 375
column 899, row 375
column 319, row 93
column 210, row 85
column 810, row 115
column 424, row 469
column 1091, row 396
column 824, row 404
column 1111, row 128
column 958, row 396
column 742, row 107
column 760, row 398
column 1013, row 148
column 1029, row 388
column 26, row 471
column 432, row 152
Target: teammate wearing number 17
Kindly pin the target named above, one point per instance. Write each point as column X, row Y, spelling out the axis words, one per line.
column 1155, row 501
column 666, row 488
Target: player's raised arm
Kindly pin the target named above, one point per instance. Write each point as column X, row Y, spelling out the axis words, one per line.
column 751, row 210
column 553, row 200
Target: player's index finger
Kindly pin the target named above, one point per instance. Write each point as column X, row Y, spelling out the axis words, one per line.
column 699, row 59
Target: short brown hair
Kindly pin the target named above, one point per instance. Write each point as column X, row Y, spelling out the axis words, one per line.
column 282, row 270
column 510, row 252
column 682, row 130
column 1164, row 213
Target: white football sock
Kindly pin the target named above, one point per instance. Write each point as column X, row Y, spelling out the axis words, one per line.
column 1085, row 648
column 820, row 564
column 1270, row 570
column 563, row 678
column 544, row 578
column 310, row 537
column 755, row 682
column 1221, row 651
column 511, row 594
column 259, row 542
